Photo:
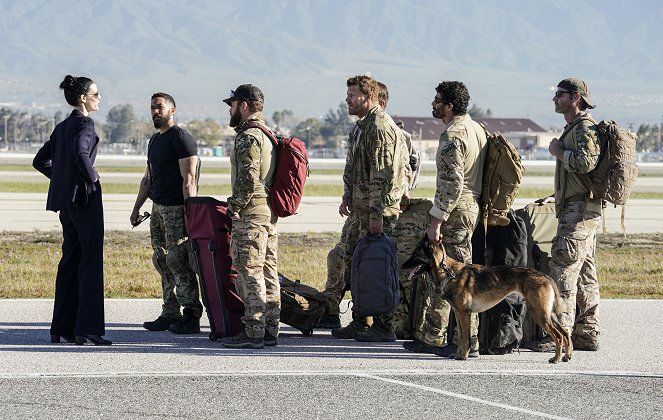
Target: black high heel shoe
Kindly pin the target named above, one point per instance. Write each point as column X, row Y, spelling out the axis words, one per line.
column 97, row 340
column 68, row 338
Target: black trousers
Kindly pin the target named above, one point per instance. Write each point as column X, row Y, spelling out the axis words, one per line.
column 79, row 284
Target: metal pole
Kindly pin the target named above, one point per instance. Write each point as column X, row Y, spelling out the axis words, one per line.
column 6, row 117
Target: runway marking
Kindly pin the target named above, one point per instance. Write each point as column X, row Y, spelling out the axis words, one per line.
column 465, row 397
column 337, row 372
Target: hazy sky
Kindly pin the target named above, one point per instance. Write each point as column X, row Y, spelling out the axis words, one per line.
column 510, row 53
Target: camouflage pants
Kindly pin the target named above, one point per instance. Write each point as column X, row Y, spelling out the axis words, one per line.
column 335, row 286
column 573, row 267
column 411, row 227
column 254, row 250
column 178, row 281
column 359, row 227
column 456, row 235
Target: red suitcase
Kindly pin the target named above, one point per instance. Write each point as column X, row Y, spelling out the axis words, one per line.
column 209, row 236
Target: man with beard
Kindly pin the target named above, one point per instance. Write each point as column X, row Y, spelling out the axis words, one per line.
column 254, row 242
column 170, row 178
column 572, row 264
column 374, row 181
column 460, row 158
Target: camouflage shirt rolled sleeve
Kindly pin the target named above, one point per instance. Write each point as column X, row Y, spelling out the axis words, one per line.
column 582, row 147
column 247, row 159
column 450, row 174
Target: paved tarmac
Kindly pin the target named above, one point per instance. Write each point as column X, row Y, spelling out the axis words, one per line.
column 25, row 212
column 159, row 374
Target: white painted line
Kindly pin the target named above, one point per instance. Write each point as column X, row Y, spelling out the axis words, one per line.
column 333, row 372
column 466, row 397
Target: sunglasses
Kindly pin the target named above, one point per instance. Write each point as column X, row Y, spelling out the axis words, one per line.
column 94, row 95
column 559, row 93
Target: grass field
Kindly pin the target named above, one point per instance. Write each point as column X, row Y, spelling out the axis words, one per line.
column 312, row 190
column 628, row 268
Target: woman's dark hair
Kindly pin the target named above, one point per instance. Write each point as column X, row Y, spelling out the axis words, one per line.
column 74, row 87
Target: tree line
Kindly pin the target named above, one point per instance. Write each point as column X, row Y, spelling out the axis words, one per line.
column 122, row 125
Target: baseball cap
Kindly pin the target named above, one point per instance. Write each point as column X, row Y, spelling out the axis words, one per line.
column 246, row 92
column 576, row 85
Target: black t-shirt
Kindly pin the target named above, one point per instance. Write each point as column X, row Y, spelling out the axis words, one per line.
column 163, row 155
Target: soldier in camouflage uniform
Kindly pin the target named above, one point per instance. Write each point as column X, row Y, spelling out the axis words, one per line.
column 254, row 238
column 410, row 228
column 169, row 179
column 572, row 263
column 460, row 160
column 336, row 287
column 374, row 182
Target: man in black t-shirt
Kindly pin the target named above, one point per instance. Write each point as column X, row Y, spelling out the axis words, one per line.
column 170, row 178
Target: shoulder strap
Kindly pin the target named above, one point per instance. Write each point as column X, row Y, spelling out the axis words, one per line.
column 265, row 130
column 574, row 123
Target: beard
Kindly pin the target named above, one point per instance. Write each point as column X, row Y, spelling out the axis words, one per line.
column 235, row 118
column 159, row 122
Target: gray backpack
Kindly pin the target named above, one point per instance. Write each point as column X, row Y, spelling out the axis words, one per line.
column 374, row 276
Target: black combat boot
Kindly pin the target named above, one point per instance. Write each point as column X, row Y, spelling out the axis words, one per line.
column 189, row 324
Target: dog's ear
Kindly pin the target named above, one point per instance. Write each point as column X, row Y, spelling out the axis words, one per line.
column 437, row 252
column 420, row 256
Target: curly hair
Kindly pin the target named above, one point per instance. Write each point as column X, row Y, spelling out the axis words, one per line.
column 367, row 85
column 455, row 93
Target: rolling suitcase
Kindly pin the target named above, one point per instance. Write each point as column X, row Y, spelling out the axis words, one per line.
column 302, row 306
column 209, row 230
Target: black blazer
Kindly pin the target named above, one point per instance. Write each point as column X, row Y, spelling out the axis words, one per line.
column 67, row 159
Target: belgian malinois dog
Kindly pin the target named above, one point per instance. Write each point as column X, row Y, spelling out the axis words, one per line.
column 475, row 288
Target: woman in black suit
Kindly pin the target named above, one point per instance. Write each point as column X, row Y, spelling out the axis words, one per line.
column 67, row 159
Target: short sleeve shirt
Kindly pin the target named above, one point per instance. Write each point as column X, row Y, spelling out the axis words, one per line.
column 163, row 155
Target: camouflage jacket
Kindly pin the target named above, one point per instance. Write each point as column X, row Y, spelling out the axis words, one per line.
column 460, row 159
column 581, row 154
column 252, row 163
column 374, row 177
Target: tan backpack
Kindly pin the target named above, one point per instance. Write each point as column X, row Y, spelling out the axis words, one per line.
column 616, row 171
column 503, row 172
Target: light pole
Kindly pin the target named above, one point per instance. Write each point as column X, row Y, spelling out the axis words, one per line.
column 6, row 117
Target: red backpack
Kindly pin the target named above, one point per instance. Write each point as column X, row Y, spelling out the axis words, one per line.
column 290, row 175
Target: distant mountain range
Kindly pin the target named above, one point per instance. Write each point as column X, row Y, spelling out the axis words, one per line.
column 510, row 53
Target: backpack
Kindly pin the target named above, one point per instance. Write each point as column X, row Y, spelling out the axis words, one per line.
column 374, row 278
column 501, row 327
column 302, row 306
column 503, row 172
column 290, row 175
column 616, row 171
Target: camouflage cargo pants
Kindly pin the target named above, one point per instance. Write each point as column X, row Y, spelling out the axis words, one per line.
column 254, row 250
column 335, row 285
column 573, row 267
column 357, row 228
column 457, row 238
column 178, row 281
column 410, row 229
